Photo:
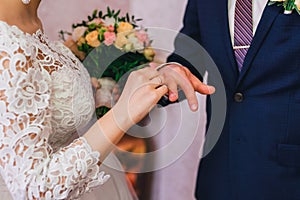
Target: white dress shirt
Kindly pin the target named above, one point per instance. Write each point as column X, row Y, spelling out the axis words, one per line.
column 258, row 8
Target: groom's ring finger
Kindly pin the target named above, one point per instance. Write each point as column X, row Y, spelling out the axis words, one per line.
column 158, row 80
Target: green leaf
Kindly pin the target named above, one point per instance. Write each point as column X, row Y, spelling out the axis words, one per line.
column 101, row 111
column 109, row 12
column 117, row 13
column 92, row 26
column 95, row 13
column 100, row 14
column 85, row 47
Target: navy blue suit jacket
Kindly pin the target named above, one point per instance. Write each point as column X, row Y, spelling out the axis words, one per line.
column 258, row 154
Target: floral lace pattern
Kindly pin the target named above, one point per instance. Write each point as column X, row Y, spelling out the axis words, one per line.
column 41, row 107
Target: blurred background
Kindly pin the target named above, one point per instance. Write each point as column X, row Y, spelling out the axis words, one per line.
column 177, row 180
column 60, row 15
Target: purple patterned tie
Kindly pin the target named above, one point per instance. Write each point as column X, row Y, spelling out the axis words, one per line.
column 243, row 30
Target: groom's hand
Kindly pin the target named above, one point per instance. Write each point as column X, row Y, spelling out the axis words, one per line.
column 177, row 76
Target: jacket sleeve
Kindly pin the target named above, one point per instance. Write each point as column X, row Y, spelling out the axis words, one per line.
column 187, row 41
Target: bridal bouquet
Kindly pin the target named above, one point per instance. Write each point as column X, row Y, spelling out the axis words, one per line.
column 109, row 45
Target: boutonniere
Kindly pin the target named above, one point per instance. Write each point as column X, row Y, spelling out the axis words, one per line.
column 288, row 5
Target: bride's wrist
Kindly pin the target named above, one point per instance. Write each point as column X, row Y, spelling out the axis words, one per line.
column 121, row 117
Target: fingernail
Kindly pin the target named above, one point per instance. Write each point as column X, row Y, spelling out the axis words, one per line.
column 172, row 96
column 194, row 107
column 211, row 89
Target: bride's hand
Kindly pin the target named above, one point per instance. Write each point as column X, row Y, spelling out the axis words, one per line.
column 141, row 93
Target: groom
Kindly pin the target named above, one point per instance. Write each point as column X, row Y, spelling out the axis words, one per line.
column 257, row 156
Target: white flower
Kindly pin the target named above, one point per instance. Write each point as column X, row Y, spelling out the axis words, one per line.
column 78, row 32
column 29, row 92
column 137, row 45
column 109, row 21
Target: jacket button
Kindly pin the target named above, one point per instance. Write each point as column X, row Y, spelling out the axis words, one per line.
column 238, row 97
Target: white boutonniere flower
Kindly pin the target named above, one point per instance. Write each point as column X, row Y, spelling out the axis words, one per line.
column 288, row 5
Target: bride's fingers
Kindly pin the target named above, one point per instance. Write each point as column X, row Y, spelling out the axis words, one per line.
column 158, row 80
column 161, row 91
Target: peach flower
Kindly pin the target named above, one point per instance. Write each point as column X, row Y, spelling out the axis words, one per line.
column 124, row 27
column 92, row 39
column 121, row 40
column 81, row 41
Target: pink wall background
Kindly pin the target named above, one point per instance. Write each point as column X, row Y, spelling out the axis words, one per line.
column 61, row 14
column 178, row 180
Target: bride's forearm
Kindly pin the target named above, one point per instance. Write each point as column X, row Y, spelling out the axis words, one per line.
column 107, row 131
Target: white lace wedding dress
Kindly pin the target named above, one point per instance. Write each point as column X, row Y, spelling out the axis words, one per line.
column 45, row 100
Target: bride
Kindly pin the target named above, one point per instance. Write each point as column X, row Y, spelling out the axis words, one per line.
column 46, row 97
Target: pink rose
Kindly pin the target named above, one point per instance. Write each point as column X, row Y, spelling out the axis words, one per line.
column 142, row 37
column 111, row 28
column 109, row 38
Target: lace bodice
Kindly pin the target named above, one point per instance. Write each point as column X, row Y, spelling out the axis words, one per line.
column 45, row 97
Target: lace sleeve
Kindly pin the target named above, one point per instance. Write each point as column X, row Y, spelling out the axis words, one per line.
column 29, row 167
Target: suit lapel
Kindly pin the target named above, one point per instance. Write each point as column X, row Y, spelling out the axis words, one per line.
column 263, row 28
column 227, row 38
column 219, row 22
